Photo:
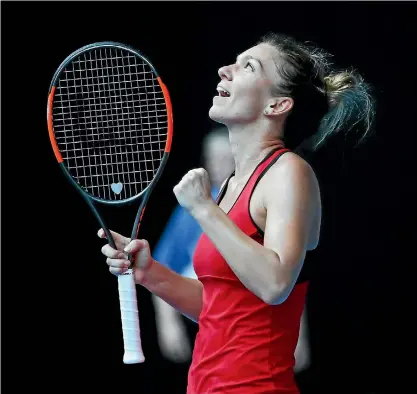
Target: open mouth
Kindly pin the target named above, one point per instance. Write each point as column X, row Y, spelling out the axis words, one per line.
column 223, row 92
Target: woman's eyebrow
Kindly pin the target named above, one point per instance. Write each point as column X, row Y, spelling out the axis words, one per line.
column 249, row 57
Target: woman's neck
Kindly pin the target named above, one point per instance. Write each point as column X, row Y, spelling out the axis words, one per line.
column 250, row 147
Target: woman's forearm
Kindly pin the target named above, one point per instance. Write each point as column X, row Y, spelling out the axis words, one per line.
column 183, row 294
column 254, row 265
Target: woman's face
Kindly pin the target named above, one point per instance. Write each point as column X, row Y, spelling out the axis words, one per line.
column 245, row 87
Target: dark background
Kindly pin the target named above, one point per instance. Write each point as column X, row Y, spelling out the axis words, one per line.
column 61, row 319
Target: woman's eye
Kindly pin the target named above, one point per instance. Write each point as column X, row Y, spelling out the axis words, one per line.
column 250, row 66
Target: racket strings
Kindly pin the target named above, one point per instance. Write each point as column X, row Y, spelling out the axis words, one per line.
column 110, row 122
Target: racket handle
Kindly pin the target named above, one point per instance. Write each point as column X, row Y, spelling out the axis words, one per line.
column 130, row 319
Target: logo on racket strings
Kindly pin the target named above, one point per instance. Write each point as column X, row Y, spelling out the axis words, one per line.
column 117, row 187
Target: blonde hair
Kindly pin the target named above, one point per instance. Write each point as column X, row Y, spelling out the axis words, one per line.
column 336, row 83
column 327, row 101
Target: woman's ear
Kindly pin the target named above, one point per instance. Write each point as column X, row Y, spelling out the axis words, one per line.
column 279, row 106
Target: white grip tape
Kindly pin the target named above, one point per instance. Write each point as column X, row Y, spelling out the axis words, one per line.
column 130, row 319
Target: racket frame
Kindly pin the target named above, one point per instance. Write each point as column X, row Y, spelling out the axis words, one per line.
column 89, row 198
column 146, row 192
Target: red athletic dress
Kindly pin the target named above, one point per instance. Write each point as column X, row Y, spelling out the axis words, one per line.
column 243, row 346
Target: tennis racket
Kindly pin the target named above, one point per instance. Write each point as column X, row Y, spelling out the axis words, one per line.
column 110, row 123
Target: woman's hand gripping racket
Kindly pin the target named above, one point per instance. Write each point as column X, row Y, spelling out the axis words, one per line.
column 110, row 125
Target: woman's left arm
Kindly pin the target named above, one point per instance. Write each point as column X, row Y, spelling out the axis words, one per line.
column 270, row 271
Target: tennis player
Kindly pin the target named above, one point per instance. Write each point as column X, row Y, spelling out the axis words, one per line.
column 279, row 98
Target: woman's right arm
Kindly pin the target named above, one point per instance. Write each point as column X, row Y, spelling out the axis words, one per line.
column 184, row 294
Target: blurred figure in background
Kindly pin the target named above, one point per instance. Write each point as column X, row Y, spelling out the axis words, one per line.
column 302, row 350
column 175, row 248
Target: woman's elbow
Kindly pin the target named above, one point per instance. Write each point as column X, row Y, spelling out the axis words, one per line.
column 276, row 294
column 281, row 287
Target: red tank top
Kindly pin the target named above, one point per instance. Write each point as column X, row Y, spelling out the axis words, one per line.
column 243, row 346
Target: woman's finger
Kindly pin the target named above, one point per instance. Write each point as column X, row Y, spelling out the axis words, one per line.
column 108, row 251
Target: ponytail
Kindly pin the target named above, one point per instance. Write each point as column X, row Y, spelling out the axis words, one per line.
column 350, row 115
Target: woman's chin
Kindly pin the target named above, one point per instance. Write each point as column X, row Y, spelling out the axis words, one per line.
column 217, row 114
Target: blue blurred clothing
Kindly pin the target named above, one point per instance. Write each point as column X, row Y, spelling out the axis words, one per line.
column 176, row 245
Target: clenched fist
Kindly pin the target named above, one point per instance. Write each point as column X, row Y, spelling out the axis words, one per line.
column 194, row 191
